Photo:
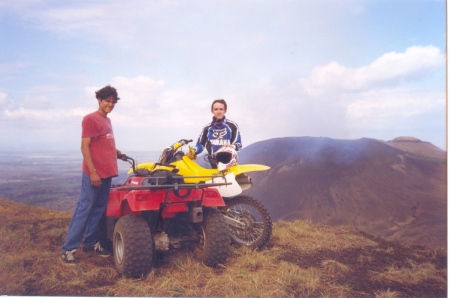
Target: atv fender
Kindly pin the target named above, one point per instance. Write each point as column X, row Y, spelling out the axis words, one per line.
column 239, row 169
column 212, row 198
column 137, row 200
column 114, row 206
column 227, row 190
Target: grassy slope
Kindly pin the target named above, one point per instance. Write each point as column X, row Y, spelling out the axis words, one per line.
column 300, row 260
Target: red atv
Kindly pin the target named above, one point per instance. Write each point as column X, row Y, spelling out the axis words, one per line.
column 157, row 212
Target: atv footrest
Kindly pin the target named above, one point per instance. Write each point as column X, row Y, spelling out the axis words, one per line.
column 176, row 242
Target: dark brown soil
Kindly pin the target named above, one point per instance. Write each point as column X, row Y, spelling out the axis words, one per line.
column 366, row 261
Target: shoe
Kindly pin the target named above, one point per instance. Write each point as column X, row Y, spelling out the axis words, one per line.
column 98, row 249
column 68, row 257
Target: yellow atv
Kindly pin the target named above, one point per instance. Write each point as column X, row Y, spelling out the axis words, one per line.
column 248, row 219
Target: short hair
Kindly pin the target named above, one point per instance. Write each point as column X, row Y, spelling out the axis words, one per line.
column 222, row 101
column 106, row 92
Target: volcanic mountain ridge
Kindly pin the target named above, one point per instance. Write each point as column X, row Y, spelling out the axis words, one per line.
column 395, row 189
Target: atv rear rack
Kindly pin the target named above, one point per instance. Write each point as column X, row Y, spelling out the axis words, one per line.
column 174, row 186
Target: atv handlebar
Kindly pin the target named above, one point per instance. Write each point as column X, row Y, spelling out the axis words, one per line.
column 169, row 152
column 128, row 159
column 166, row 154
column 184, row 141
column 179, row 144
column 122, row 156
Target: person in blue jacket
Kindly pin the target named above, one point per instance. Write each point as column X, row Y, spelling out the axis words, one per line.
column 217, row 134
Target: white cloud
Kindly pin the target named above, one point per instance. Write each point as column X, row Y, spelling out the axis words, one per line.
column 4, row 101
column 384, row 109
column 104, row 21
column 37, row 102
column 342, row 102
column 358, row 9
column 12, row 68
column 138, row 91
column 54, row 116
column 389, row 70
column 36, row 108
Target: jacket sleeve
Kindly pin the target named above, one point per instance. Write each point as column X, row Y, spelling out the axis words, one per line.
column 235, row 134
column 201, row 142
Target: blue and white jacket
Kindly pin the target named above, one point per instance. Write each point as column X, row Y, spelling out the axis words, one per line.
column 218, row 133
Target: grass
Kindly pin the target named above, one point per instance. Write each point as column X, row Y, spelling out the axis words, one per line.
column 301, row 260
column 416, row 273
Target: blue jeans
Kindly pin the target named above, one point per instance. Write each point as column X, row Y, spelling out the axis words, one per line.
column 90, row 208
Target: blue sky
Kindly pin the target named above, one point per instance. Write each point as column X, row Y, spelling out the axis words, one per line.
column 340, row 69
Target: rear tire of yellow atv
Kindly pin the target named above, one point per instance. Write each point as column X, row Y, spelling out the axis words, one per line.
column 256, row 224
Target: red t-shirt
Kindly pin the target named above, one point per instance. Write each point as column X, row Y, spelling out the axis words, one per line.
column 102, row 146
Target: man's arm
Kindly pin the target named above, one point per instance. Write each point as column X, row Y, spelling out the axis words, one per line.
column 235, row 135
column 86, row 151
column 200, row 145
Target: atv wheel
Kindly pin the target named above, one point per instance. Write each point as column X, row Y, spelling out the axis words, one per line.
column 214, row 243
column 249, row 221
column 132, row 246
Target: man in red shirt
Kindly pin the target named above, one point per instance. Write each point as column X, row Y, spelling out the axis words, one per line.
column 99, row 166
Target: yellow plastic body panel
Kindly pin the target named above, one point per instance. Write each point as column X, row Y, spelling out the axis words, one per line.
column 188, row 167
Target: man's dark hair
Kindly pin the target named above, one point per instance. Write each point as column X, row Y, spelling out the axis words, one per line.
column 222, row 101
column 106, row 92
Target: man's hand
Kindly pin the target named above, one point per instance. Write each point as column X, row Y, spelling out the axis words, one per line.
column 86, row 151
column 121, row 156
column 95, row 179
column 191, row 153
